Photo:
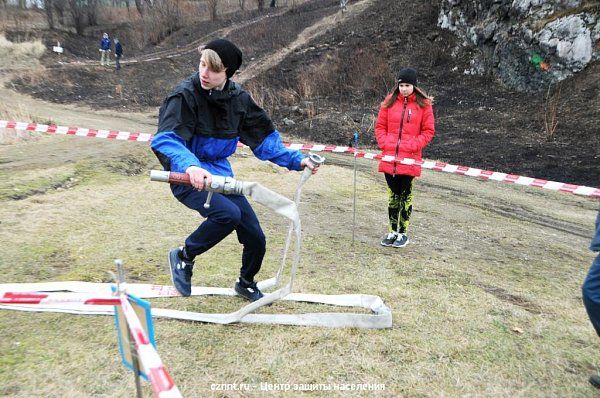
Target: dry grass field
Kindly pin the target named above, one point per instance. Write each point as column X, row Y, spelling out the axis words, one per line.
column 486, row 299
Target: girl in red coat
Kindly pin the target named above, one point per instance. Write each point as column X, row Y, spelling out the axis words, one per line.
column 404, row 127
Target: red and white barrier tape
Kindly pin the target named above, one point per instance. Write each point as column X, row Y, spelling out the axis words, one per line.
column 426, row 164
column 56, row 298
column 78, row 131
column 160, row 380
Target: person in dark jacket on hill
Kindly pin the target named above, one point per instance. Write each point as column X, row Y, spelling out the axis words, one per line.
column 404, row 126
column 104, row 50
column 118, row 53
column 591, row 290
column 200, row 124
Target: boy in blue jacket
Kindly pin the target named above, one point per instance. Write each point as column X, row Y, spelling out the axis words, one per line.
column 200, row 124
column 105, row 50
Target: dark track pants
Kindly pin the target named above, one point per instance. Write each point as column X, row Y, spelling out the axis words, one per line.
column 591, row 294
column 226, row 214
column 400, row 199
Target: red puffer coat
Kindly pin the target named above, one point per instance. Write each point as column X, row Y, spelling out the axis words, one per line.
column 402, row 131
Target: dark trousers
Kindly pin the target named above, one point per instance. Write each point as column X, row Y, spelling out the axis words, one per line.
column 226, row 214
column 400, row 199
column 591, row 294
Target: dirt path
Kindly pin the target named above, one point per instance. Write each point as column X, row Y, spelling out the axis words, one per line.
column 316, row 30
column 26, row 108
column 177, row 52
column 255, row 68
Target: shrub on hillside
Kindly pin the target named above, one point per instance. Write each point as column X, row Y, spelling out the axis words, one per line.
column 360, row 72
column 18, row 55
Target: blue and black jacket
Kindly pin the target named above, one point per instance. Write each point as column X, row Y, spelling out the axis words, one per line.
column 201, row 128
column 105, row 44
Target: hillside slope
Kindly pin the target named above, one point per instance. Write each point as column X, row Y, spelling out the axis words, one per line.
column 333, row 86
column 480, row 122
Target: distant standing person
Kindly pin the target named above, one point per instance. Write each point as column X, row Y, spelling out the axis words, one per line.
column 199, row 126
column 104, row 50
column 591, row 290
column 405, row 125
column 118, row 53
column 343, row 4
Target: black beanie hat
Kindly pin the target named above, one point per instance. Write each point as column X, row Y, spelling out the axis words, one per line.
column 230, row 55
column 408, row 75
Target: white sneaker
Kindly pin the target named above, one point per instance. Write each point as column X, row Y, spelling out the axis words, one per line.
column 389, row 239
column 401, row 241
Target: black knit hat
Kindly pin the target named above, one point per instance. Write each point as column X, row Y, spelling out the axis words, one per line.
column 407, row 75
column 230, row 55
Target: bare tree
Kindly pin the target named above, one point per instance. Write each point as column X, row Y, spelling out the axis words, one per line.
column 59, row 7
column 242, row 4
column 161, row 20
column 212, row 8
column 55, row 8
column 139, row 6
column 92, row 12
column 260, row 4
column 48, row 6
column 78, row 14
column 551, row 104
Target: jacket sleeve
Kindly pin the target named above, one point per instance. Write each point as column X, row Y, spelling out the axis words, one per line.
column 175, row 129
column 381, row 126
column 272, row 149
column 416, row 144
column 595, row 246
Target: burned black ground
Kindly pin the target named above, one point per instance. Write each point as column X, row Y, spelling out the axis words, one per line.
column 333, row 86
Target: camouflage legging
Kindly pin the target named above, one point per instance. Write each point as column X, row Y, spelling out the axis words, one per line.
column 399, row 201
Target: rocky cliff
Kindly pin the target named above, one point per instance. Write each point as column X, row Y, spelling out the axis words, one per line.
column 527, row 44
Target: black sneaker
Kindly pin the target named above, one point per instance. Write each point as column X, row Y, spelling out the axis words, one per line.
column 181, row 271
column 249, row 292
column 595, row 381
column 389, row 239
column 401, row 241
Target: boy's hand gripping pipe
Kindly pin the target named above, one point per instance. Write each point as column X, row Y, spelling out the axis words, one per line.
column 381, row 316
column 224, row 185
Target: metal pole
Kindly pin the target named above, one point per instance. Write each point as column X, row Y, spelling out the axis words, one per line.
column 132, row 349
column 355, row 145
column 136, row 363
